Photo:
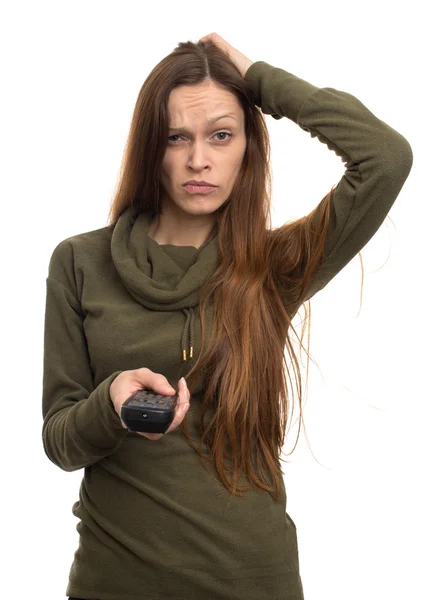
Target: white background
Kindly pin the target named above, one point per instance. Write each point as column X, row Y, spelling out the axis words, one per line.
column 358, row 485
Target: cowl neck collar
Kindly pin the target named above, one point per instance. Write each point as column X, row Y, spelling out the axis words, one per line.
column 162, row 277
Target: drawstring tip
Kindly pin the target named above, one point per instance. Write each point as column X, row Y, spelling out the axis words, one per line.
column 185, row 354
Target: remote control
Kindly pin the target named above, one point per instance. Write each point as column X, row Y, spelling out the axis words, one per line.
column 149, row 411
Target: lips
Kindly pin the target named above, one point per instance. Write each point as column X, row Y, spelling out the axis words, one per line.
column 199, row 189
column 200, row 183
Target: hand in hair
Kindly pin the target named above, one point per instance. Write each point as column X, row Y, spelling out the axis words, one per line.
column 240, row 60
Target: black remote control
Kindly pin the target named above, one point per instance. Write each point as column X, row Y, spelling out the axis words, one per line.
column 149, row 411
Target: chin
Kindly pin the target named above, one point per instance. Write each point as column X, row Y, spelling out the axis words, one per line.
column 200, row 203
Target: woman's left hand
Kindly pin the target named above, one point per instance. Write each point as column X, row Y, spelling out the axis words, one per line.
column 240, row 60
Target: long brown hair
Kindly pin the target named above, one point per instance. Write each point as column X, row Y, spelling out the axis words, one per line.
column 257, row 288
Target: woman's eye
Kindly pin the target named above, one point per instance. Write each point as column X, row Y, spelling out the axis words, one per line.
column 218, row 133
column 224, row 133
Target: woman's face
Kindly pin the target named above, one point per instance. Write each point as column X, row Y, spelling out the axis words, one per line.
column 200, row 150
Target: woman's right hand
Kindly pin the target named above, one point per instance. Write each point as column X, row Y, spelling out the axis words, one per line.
column 128, row 383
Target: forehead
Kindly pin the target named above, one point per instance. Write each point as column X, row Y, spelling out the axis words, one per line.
column 202, row 101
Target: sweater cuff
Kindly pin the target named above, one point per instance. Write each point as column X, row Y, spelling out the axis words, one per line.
column 96, row 420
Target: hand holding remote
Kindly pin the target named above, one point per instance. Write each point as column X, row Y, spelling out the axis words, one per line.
column 130, row 382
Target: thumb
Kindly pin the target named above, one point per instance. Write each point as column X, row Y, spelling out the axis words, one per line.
column 167, row 386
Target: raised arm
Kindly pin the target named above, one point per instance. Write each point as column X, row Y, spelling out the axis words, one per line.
column 378, row 159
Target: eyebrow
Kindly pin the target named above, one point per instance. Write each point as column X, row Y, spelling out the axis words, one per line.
column 210, row 122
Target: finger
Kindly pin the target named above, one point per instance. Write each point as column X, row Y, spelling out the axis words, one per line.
column 151, row 436
column 182, row 404
column 161, row 385
column 214, row 37
column 181, row 408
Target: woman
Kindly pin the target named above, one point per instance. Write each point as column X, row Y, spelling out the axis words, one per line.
column 189, row 280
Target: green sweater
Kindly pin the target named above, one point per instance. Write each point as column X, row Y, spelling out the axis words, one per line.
column 153, row 523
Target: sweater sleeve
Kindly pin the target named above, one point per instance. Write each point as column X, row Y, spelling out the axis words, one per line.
column 378, row 159
column 80, row 425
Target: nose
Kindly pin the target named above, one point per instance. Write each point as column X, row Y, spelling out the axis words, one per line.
column 198, row 158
